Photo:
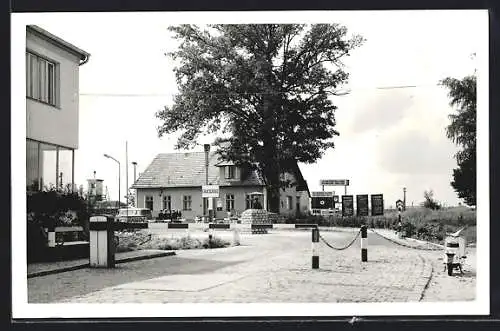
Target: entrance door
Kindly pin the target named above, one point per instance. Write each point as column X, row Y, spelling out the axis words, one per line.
column 205, row 206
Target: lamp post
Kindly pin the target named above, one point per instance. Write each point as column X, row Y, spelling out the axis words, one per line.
column 135, row 165
column 119, row 175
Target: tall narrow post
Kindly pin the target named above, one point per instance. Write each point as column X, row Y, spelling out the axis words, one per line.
column 364, row 248
column 315, row 251
column 404, row 198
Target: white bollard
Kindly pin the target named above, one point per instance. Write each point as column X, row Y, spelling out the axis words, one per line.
column 364, row 246
column 236, row 237
column 102, row 250
column 315, row 251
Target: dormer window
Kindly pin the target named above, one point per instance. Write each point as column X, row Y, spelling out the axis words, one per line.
column 230, row 172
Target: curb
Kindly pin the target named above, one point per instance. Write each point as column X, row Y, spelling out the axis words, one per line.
column 86, row 265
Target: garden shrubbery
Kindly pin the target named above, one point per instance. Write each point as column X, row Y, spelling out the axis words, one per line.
column 136, row 241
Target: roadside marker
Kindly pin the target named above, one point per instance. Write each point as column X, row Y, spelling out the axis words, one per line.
column 364, row 246
column 315, row 251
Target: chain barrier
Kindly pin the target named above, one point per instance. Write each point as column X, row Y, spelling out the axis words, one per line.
column 408, row 246
column 342, row 248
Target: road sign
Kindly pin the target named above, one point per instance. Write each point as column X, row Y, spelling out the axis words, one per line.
column 336, row 199
column 210, row 191
column 321, row 194
column 347, row 205
column 322, row 202
column 377, row 204
column 362, row 205
column 334, row 182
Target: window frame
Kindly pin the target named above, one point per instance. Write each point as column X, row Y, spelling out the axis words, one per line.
column 187, row 203
column 35, row 79
column 230, row 172
column 167, row 202
column 230, row 201
column 146, row 200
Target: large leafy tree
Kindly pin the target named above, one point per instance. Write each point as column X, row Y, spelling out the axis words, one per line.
column 462, row 131
column 267, row 86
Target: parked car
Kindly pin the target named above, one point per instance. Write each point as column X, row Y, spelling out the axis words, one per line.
column 132, row 214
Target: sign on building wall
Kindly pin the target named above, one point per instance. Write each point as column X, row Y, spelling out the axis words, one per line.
column 334, row 182
column 347, row 205
column 210, row 191
column 362, row 205
column 377, row 204
column 319, row 194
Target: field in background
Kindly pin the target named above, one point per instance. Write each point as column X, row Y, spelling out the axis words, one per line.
column 418, row 222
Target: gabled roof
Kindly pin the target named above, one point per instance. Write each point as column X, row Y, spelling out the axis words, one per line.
column 55, row 40
column 188, row 170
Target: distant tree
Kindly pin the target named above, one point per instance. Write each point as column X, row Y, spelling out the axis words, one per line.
column 131, row 198
column 462, row 131
column 429, row 201
column 267, row 85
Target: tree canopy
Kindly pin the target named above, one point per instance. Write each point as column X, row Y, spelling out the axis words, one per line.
column 267, row 87
column 462, row 131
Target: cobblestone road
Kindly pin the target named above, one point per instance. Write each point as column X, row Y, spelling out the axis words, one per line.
column 267, row 268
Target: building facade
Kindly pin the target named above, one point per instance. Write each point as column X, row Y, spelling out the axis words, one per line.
column 173, row 182
column 52, row 75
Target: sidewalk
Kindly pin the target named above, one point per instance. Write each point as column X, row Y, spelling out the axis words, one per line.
column 48, row 268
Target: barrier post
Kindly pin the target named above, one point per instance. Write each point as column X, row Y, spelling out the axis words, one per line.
column 315, row 251
column 102, row 250
column 236, row 237
column 364, row 247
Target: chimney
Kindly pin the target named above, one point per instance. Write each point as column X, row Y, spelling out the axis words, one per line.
column 207, row 149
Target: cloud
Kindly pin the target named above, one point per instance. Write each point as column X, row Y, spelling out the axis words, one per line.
column 414, row 152
column 383, row 109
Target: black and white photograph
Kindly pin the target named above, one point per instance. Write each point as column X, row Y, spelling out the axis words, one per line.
column 211, row 164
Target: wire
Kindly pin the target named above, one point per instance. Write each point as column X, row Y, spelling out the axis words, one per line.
column 248, row 93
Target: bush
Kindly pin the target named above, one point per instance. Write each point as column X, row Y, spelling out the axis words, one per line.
column 186, row 242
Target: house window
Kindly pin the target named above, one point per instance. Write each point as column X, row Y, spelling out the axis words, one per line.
column 289, row 202
column 230, row 172
column 167, row 202
column 229, row 202
column 186, row 202
column 149, row 202
column 41, row 79
column 248, row 201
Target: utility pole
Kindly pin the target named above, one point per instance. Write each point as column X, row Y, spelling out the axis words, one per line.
column 206, row 147
column 404, row 198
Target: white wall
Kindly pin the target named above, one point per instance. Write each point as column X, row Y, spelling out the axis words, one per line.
column 197, row 201
column 57, row 125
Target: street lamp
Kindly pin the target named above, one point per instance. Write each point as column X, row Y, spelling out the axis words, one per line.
column 119, row 172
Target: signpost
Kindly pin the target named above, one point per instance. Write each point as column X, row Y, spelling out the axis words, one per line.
column 347, row 205
column 362, row 205
column 377, row 204
column 210, row 191
column 334, row 182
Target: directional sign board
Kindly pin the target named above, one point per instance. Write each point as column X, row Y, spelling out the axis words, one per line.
column 210, row 191
column 334, row 182
column 347, row 205
column 377, row 204
column 322, row 200
column 362, row 205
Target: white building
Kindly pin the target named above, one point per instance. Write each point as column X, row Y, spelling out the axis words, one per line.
column 52, row 69
column 173, row 181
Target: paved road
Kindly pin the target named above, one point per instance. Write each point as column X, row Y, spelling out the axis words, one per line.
column 267, row 268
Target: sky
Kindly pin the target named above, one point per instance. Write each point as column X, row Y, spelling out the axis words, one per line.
column 390, row 138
